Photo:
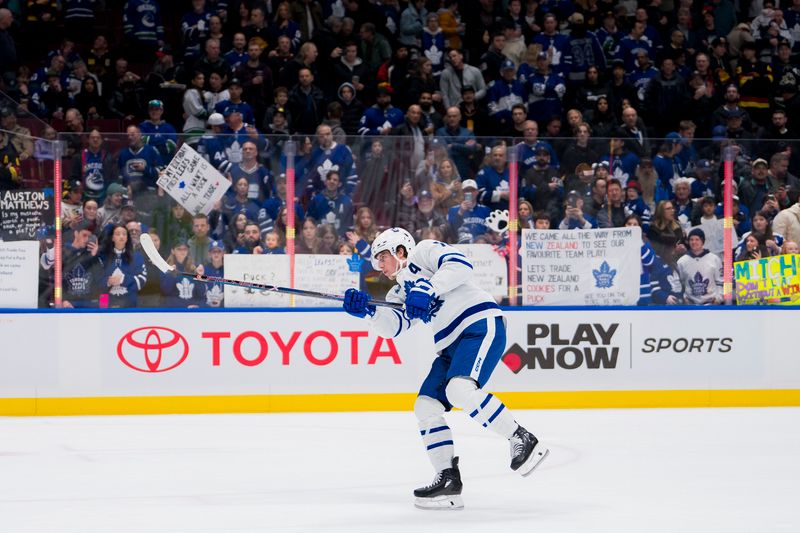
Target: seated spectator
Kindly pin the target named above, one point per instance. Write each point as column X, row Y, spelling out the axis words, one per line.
column 762, row 231
column 468, row 220
column 94, row 167
column 273, row 243
column 194, row 109
column 658, row 283
column 703, row 184
column 542, row 186
column 463, row 148
column 700, row 272
column 249, row 241
column 789, row 247
column 574, row 216
column 214, row 266
column 613, row 213
column 427, row 216
column 308, row 241
column 116, row 196
column 124, row 272
column 684, row 206
column 239, row 202
column 328, row 156
column 328, row 238
column 381, row 117
column 19, row 137
column 215, row 94
column 158, row 133
column 234, row 233
column 446, row 187
column 171, row 222
column 43, row 149
column 666, row 235
column 502, row 94
column 236, row 103
column 635, row 205
column 198, row 243
column 81, row 267
column 787, row 223
column 212, row 145
column 753, row 191
column 138, row 164
column 580, row 150
column 260, row 185
column 332, row 205
column 363, row 233
column 180, row 291
column 492, row 181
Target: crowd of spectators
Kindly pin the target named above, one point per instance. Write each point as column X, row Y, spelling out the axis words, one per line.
column 403, row 113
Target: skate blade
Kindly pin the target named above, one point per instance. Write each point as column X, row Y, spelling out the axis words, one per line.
column 440, row 503
column 538, row 455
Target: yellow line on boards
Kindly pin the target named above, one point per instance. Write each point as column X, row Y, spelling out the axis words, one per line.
column 298, row 403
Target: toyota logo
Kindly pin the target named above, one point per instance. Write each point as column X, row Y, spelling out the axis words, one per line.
column 152, row 349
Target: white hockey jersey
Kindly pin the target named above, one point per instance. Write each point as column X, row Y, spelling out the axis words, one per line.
column 701, row 276
column 457, row 302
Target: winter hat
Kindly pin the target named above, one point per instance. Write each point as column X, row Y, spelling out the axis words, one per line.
column 699, row 233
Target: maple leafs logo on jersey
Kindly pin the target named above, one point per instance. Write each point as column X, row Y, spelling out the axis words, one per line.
column 698, row 285
column 354, row 263
column 434, row 54
column 604, row 278
column 325, row 167
column 185, row 289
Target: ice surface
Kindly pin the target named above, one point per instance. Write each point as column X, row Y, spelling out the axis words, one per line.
column 609, row 470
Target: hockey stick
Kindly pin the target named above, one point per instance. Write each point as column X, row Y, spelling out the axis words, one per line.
column 152, row 254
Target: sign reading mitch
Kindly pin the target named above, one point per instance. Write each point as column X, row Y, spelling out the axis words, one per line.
column 772, row 280
column 24, row 213
column 581, row 267
column 550, row 346
column 192, row 181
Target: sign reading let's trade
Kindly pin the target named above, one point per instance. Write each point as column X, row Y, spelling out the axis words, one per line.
column 192, row 181
column 581, row 267
column 768, row 280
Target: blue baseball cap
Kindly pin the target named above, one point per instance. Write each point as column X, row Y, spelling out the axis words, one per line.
column 508, row 65
column 216, row 244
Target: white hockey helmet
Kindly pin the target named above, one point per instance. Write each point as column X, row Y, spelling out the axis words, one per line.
column 389, row 240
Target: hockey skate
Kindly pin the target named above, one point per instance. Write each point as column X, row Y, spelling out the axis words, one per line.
column 526, row 451
column 444, row 493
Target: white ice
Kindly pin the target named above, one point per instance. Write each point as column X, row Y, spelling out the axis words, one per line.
column 671, row 470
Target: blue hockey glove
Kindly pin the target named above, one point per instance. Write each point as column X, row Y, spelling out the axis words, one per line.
column 356, row 303
column 418, row 302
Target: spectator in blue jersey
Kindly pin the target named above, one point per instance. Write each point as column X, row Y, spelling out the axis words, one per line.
column 213, row 292
column 584, row 49
column 249, row 242
column 327, row 156
column 555, row 44
column 94, row 167
column 283, row 24
column 703, row 184
column 622, row 164
column 468, row 220
column 258, row 177
column 658, row 283
column 194, row 30
column 381, row 117
column 666, row 166
column 236, row 133
column 237, row 200
column 238, row 54
column 546, row 90
column 81, row 266
column 503, row 93
column 630, row 45
column 574, row 216
column 640, row 76
column 138, row 164
column 332, row 205
column 158, row 133
column 530, row 146
column 235, row 103
column 492, row 180
column 635, row 205
column 181, row 291
column 277, row 201
column 124, row 272
column 212, row 144
column 462, row 147
column 306, row 102
column 142, row 27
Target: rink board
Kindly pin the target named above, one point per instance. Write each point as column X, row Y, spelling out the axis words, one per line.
column 112, row 362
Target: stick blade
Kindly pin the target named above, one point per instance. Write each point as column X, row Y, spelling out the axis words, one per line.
column 152, row 254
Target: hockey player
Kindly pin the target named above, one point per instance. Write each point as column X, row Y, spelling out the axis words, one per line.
column 434, row 281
